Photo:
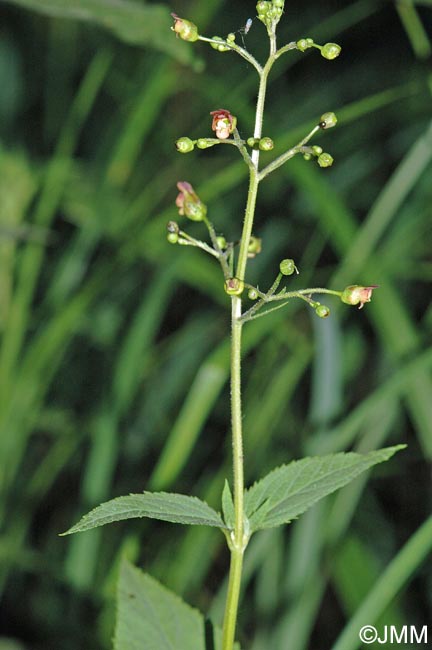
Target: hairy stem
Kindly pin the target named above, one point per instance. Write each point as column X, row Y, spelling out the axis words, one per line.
column 237, row 540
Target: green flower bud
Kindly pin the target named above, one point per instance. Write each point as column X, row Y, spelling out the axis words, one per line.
column 172, row 237
column 356, row 294
column 220, row 47
column 252, row 294
column 307, row 156
column 317, row 150
column 266, row 144
column 221, row 242
column 330, row 51
column 279, row 4
column 302, row 45
column 328, row 121
column 203, row 143
column 231, row 38
column 310, row 41
column 185, row 145
column 325, row 160
column 287, row 267
column 263, row 8
column 234, row 286
column 322, row 311
column 254, row 247
column 253, row 143
column 185, row 29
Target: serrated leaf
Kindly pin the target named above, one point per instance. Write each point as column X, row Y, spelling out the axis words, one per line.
column 166, row 506
column 150, row 617
column 290, row 490
column 132, row 22
column 228, row 506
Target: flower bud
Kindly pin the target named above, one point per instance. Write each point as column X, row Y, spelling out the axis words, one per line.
column 172, row 232
column 254, row 247
column 234, row 286
column 328, row 121
column 253, row 143
column 287, row 267
column 223, row 123
column 185, row 145
column 252, row 294
column 279, row 4
column 185, row 29
column 203, row 143
column 188, row 202
column 263, row 8
column 220, row 47
column 330, row 51
column 317, row 150
column 356, row 294
column 266, row 144
column 221, row 242
column 325, row 160
column 322, row 311
column 307, row 156
column 231, row 37
column 302, row 45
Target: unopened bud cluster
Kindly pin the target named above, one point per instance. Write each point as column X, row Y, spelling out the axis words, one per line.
column 270, row 13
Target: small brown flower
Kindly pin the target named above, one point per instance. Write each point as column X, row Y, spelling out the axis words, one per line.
column 223, row 123
column 357, row 295
column 189, row 203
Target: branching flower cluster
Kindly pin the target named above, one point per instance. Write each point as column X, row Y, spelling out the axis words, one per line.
column 224, row 126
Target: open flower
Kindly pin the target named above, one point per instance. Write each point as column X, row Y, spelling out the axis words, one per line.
column 355, row 294
column 189, row 203
column 223, row 123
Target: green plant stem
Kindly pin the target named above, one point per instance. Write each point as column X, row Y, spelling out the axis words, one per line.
column 237, row 544
column 236, row 48
column 239, row 539
column 287, row 155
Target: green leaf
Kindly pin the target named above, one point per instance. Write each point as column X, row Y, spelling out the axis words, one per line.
column 130, row 21
column 176, row 508
column 150, row 617
column 290, row 490
column 228, row 506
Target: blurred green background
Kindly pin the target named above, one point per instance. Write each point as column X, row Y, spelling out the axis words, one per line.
column 114, row 351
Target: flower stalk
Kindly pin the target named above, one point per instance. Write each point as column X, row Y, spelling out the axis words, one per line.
column 225, row 128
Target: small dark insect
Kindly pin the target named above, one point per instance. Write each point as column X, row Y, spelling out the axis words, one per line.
column 245, row 30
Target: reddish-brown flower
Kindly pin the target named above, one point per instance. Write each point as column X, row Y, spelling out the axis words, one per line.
column 223, row 123
column 189, row 203
column 356, row 295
